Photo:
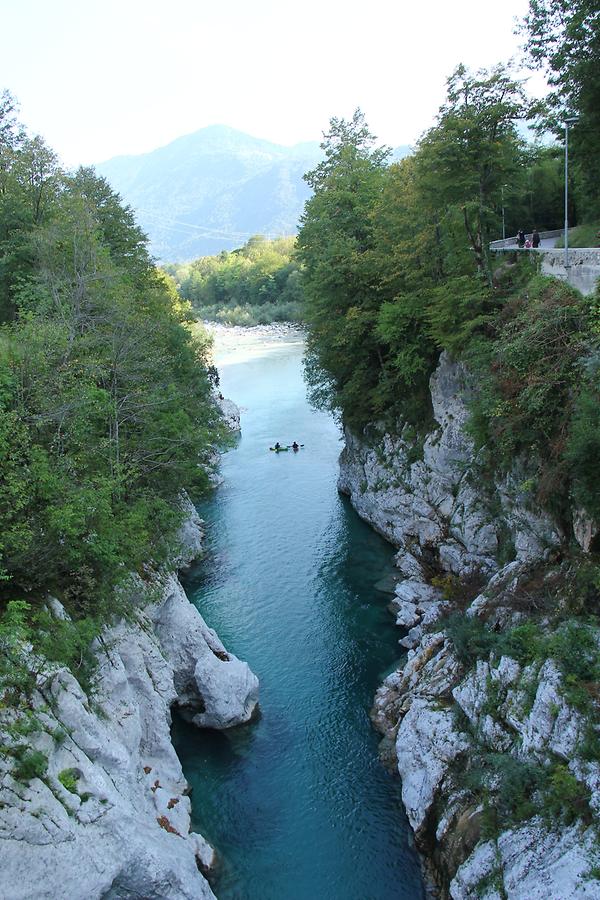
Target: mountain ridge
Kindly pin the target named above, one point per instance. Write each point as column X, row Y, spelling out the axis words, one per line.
column 212, row 189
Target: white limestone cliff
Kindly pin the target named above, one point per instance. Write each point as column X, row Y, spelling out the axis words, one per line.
column 111, row 818
column 229, row 411
column 450, row 525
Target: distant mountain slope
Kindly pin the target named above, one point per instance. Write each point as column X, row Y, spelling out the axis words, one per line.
column 399, row 153
column 211, row 190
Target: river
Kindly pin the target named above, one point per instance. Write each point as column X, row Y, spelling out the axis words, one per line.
column 297, row 802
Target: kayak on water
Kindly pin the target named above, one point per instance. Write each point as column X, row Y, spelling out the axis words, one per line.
column 289, row 447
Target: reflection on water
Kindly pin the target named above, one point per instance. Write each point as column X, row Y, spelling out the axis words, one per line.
column 297, row 803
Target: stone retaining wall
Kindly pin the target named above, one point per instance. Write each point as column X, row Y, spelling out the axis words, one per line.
column 584, row 267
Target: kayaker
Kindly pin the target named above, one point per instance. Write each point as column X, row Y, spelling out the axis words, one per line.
column 295, row 446
column 277, row 446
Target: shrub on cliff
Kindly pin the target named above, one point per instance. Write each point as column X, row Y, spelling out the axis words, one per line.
column 529, row 387
column 583, row 446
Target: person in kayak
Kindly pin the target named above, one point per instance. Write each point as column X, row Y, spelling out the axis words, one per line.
column 295, row 446
column 277, row 446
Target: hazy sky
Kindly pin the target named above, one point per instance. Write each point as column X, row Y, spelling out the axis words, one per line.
column 98, row 79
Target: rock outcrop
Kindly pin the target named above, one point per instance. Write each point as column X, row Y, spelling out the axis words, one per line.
column 110, row 818
column 229, row 411
column 214, row 689
column 430, row 501
column 230, row 414
column 475, row 543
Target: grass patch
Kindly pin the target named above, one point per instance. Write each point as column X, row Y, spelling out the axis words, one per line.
column 513, row 791
column 474, row 639
column 587, row 235
column 68, row 778
column 29, row 764
column 565, row 799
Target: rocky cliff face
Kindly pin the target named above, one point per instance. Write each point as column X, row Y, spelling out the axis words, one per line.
column 435, row 507
column 229, row 411
column 453, row 725
column 111, row 818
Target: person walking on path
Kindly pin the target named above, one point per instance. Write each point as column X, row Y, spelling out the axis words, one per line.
column 535, row 239
column 520, row 238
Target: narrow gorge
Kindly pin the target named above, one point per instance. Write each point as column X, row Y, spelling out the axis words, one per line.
column 300, row 538
column 289, row 798
column 297, row 803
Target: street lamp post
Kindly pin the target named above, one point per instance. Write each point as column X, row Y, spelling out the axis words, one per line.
column 503, row 221
column 568, row 122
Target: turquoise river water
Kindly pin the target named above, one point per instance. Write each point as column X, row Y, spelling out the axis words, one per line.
column 297, row 802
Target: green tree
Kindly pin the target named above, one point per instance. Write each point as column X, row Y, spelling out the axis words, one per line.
column 563, row 39
column 463, row 161
column 117, row 228
column 105, row 403
column 341, row 285
column 30, row 179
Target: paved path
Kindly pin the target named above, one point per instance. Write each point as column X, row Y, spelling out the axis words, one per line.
column 545, row 244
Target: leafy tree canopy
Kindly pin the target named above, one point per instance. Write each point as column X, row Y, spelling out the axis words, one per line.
column 106, row 411
column 563, row 38
column 260, row 282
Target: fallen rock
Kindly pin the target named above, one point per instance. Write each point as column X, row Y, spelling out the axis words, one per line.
column 214, row 688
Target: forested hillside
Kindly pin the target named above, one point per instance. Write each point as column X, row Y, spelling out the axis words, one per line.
column 257, row 284
column 397, row 269
column 212, row 190
column 105, row 404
